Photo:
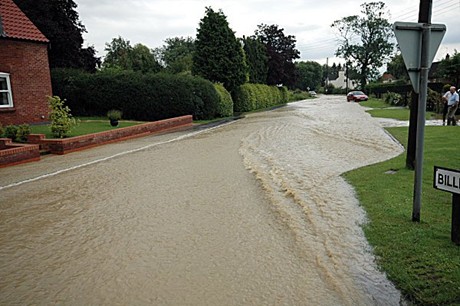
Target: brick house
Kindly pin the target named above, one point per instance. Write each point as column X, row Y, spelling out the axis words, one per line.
column 25, row 80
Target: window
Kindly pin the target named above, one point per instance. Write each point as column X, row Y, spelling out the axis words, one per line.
column 6, row 99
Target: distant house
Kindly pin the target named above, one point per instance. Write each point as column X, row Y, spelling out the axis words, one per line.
column 388, row 78
column 341, row 81
column 25, row 80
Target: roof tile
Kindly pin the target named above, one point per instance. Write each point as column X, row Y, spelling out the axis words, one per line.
column 15, row 24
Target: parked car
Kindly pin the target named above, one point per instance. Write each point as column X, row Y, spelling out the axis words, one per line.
column 312, row 93
column 357, row 96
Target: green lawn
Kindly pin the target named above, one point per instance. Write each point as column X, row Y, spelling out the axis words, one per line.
column 87, row 125
column 419, row 258
column 383, row 110
column 374, row 103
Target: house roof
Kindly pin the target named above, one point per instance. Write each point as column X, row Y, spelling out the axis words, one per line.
column 387, row 76
column 15, row 24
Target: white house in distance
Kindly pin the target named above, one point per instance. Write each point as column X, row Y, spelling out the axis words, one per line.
column 341, row 81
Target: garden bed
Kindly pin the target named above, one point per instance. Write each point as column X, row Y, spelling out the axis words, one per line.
column 13, row 153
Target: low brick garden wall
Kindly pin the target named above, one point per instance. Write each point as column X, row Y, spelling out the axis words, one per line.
column 12, row 153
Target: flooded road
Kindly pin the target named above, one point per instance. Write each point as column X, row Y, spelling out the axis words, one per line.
column 249, row 213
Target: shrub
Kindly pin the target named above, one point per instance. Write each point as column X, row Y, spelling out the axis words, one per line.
column 71, row 84
column 434, row 101
column 394, row 98
column 114, row 114
column 244, row 100
column 17, row 133
column 61, row 120
column 225, row 105
column 446, row 88
column 138, row 96
column 250, row 97
column 284, row 94
column 205, row 92
column 10, row 131
column 2, row 130
column 298, row 95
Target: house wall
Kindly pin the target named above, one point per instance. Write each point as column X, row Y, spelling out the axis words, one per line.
column 27, row 64
column 340, row 81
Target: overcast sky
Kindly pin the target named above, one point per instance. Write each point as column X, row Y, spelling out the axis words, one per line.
column 150, row 22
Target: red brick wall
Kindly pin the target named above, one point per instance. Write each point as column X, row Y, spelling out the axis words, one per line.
column 27, row 64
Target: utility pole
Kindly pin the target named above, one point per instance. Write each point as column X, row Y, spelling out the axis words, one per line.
column 346, row 77
column 425, row 18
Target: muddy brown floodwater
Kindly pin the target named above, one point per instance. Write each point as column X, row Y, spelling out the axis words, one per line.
column 249, row 213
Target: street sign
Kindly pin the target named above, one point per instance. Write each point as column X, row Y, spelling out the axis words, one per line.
column 409, row 37
column 449, row 180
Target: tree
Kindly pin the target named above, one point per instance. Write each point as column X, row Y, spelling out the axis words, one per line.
column 365, row 41
column 308, row 75
column 257, row 60
column 143, row 60
column 449, row 68
column 177, row 54
column 58, row 21
column 121, row 55
column 281, row 53
column 118, row 54
column 219, row 56
column 397, row 67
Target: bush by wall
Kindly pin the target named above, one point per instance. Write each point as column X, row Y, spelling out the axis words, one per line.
column 248, row 97
column 139, row 96
column 17, row 133
column 225, row 106
column 62, row 121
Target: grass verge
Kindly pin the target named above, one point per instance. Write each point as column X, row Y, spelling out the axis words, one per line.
column 374, row 103
column 419, row 258
column 383, row 110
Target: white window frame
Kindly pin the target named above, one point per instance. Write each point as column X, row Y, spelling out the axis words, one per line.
column 9, row 94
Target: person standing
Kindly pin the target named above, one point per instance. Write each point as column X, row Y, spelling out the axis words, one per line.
column 452, row 99
column 444, row 107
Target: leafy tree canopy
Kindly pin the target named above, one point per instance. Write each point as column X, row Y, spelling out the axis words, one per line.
column 397, row 67
column 58, row 21
column 219, row 56
column 365, row 40
column 257, row 60
column 308, row 75
column 449, row 68
column 281, row 53
column 121, row 55
column 177, row 54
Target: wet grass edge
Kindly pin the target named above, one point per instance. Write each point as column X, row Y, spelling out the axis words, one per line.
column 418, row 258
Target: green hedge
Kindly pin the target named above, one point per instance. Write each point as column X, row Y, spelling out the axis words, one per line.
column 225, row 106
column 249, row 97
column 139, row 96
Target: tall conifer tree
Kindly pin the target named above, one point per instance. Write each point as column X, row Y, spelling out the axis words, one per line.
column 219, row 56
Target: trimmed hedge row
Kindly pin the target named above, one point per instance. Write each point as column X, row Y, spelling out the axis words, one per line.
column 145, row 97
column 150, row 97
column 249, row 97
column 225, row 106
